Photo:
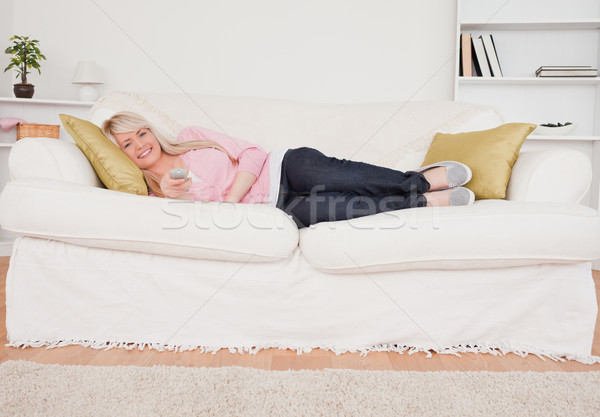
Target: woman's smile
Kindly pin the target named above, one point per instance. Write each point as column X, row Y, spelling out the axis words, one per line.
column 145, row 153
column 141, row 147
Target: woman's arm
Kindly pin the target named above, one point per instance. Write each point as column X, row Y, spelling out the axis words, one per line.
column 251, row 157
column 243, row 181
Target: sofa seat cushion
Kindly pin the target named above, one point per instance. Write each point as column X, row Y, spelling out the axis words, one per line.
column 487, row 234
column 97, row 217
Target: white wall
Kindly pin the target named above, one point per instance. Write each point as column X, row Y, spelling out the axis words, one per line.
column 314, row 50
column 6, row 78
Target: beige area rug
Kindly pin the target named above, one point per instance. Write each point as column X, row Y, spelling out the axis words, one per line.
column 31, row 389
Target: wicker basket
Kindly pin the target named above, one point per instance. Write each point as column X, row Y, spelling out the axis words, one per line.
column 32, row 130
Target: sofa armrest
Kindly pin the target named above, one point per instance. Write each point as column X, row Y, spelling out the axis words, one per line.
column 51, row 158
column 97, row 217
column 553, row 175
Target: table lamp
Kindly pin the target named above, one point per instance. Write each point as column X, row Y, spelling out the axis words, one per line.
column 87, row 74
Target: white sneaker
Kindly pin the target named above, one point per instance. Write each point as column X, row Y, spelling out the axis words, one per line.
column 461, row 196
column 457, row 173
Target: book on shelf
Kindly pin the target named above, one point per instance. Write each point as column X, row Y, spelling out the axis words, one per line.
column 482, row 67
column 478, row 56
column 563, row 67
column 566, row 71
column 492, row 55
column 466, row 63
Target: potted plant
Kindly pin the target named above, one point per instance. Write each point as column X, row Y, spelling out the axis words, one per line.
column 26, row 55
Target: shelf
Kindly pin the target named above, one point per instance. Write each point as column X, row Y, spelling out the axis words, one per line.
column 6, row 144
column 528, row 80
column 566, row 137
column 529, row 32
column 567, row 24
column 45, row 101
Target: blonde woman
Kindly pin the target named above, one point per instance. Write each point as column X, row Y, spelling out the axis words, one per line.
column 303, row 182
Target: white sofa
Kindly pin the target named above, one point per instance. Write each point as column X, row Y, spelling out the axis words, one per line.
column 105, row 269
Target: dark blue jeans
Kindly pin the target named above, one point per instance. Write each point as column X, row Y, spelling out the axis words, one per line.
column 317, row 188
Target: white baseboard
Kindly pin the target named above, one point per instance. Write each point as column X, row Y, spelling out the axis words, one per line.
column 5, row 248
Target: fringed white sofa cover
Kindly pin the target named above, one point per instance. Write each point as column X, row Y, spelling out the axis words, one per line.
column 105, row 269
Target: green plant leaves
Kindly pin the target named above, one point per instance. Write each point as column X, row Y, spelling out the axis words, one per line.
column 26, row 54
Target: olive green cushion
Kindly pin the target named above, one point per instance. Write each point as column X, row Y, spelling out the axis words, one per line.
column 115, row 170
column 490, row 154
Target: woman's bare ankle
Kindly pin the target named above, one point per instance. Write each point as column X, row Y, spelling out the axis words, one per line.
column 437, row 178
column 438, row 198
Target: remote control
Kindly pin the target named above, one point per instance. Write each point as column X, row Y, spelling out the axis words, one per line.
column 177, row 173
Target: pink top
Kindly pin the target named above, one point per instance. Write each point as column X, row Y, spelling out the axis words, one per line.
column 213, row 172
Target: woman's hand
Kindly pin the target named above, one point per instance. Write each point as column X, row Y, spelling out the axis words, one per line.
column 175, row 188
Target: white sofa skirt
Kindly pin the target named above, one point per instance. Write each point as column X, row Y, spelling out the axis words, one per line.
column 60, row 294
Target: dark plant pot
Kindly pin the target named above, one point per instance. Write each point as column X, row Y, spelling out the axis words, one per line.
column 23, row 90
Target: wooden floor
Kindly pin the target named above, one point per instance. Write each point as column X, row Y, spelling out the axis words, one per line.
column 285, row 359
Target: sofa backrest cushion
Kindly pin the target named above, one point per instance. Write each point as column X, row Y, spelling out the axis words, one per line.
column 380, row 133
column 113, row 167
column 50, row 158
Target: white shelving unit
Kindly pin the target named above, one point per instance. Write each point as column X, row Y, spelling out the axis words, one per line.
column 561, row 24
column 527, row 35
column 75, row 103
column 33, row 111
column 42, row 111
column 529, row 80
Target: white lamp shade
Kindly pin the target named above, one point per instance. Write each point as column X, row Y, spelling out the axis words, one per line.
column 87, row 72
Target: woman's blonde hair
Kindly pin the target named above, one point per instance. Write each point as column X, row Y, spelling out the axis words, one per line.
column 124, row 121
